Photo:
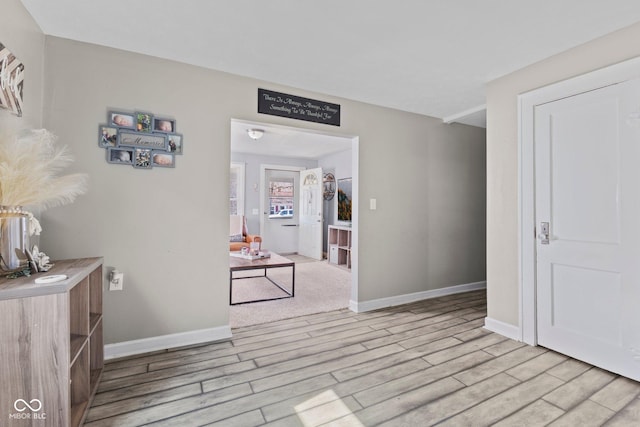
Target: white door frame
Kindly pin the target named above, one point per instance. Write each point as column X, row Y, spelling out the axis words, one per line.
column 526, row 179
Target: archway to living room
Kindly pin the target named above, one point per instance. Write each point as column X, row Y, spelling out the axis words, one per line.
column 265, row 197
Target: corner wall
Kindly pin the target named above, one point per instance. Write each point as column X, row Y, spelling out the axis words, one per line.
column 164, row 227
column 502, row 157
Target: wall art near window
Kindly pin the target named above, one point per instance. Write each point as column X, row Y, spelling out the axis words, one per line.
column 140, row 139
column 11, row 81
column 344, row 200
column 328, row 186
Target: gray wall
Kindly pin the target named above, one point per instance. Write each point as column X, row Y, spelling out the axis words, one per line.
column 164, row 227
column 502, row 156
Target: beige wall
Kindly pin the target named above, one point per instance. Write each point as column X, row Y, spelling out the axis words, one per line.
column 166, row 229
column 502, row 156
column 20, row 34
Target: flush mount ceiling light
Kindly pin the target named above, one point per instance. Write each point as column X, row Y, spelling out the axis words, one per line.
column 255, row 133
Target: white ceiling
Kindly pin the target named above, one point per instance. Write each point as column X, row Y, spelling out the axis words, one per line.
column 285, row 141
column 431, row 57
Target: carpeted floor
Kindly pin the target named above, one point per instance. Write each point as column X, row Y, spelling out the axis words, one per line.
column 319, row 287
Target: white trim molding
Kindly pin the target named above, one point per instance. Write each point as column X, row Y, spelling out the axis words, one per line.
column 376, row 304
column 163, row 342
column 502, row 328
column 466, row 113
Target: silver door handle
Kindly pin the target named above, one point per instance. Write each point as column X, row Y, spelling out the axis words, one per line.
column 544, row 233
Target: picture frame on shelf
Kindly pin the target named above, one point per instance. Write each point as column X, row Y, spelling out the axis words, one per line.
column 164, row 125
column 163, row 159
column 122, row 120
column 120, row 155
column 142, row 158
column 107, row 136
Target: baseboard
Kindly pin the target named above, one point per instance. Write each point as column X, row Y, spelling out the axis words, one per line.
column 502, row 328
column 163, row 342
column 376, row 304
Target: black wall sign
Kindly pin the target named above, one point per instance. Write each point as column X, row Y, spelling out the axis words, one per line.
column 296, row 107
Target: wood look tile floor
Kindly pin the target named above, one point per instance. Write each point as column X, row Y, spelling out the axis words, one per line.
column 421, row 364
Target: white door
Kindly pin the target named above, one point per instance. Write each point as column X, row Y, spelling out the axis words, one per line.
column 310, row 237
column 280, row 227
column 587, row 155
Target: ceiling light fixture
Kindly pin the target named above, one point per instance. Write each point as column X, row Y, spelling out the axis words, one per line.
column 255, row 133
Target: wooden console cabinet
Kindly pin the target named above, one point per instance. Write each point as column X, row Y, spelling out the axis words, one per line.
column 51, row 346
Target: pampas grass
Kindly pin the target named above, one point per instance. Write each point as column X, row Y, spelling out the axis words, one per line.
column 30, row 165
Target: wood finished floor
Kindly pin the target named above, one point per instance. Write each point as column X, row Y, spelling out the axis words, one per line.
column 428, row 363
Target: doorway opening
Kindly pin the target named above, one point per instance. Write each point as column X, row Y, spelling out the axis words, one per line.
column 287, row 211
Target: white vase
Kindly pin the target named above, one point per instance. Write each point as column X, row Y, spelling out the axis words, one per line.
column 14, row 238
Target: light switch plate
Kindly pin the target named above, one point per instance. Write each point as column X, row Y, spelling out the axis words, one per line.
column 372, row 204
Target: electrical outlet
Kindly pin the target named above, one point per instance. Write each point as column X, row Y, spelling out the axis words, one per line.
column 116, row 280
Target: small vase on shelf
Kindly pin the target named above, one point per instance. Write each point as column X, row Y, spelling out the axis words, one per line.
column 14, row 237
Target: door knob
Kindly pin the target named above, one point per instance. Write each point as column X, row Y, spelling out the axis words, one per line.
column 544, row 233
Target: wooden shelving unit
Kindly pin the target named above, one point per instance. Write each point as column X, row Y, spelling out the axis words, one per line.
column 53, row 346
column 339, row 244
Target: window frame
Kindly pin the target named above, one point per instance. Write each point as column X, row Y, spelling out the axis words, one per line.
column 240, row 187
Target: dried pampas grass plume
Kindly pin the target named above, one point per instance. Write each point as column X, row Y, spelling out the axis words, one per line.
column 30, row 164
